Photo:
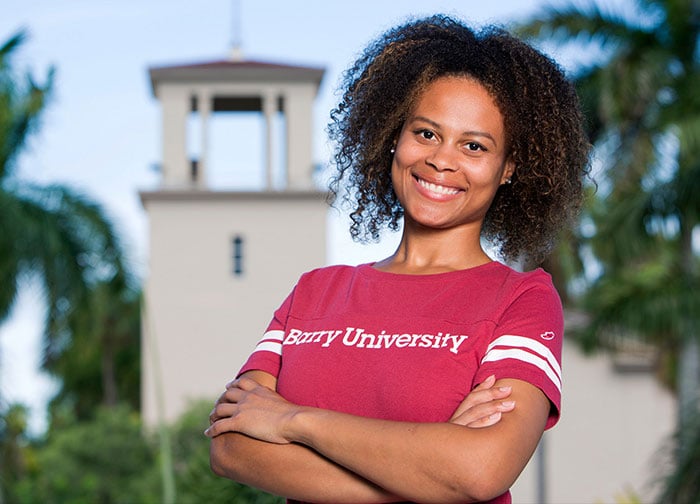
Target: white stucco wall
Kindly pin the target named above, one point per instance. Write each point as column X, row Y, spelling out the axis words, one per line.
column 201, row 320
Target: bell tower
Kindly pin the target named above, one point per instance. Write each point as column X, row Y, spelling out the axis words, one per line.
column 222, row 256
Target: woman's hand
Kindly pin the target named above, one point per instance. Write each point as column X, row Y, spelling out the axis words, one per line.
column 484, row 405
column 256, row 411
column 251, row 409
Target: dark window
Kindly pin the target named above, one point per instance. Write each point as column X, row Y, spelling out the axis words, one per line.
column 238, row 255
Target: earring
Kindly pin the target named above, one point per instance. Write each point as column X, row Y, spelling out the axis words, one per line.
column 393, row 150
column 508, row 180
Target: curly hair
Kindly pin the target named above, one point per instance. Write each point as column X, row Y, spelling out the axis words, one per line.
column 543, row 125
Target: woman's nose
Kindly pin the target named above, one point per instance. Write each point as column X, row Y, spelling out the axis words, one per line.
column 442, row 158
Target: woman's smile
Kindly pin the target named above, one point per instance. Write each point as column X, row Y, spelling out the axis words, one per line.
column 435, row 190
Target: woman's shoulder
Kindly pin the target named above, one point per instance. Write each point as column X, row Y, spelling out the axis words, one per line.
column 513, row 283
column 515, row 276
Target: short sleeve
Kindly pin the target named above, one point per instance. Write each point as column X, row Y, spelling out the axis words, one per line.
column 267, row 355
column 527, row 340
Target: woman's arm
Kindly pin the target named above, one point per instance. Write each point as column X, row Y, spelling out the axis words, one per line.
column 427, row 462
column 298, row 472
column 291, row 470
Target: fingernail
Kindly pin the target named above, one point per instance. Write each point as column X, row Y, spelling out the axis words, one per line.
column 508, row 404
column 206, row 432
column 504, row 389
column 495, row 416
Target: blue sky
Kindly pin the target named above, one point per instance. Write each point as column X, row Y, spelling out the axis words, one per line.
column 101, row 133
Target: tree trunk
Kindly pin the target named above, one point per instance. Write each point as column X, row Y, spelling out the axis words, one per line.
column 110, row 395
column 688, row 380
column 689, row 358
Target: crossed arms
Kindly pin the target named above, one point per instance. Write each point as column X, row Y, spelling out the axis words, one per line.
column 316, row 455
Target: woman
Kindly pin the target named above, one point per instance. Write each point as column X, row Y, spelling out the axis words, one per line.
column 371, row 381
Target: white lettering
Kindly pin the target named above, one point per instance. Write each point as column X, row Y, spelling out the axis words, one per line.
column 365, row 337
column 426, row 340
column 346, row 338
column 456, row 342
column 291, row 338
column 331, row 336
column 403, row 340
column 357, row 337
column 388, row 340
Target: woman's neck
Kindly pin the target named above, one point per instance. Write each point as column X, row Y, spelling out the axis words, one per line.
column 423, row 252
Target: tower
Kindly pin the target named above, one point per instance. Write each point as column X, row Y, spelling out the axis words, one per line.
column 221, row 259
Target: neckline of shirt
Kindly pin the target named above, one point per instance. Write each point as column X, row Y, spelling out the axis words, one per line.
column 368, row 269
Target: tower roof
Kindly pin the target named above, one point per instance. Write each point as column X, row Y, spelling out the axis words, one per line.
column 234, row 70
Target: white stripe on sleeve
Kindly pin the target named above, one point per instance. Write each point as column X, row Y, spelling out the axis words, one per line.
column 276, row 335
column 269, row 346
column 271, row 342
column 512, row 348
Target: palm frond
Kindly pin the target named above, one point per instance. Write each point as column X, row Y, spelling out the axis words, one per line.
column 22, row 101
column 10, row 46
column 582, row 25
column 649, row 301
column 68, row 241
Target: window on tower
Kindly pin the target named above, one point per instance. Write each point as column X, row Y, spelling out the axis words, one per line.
column 237, row 255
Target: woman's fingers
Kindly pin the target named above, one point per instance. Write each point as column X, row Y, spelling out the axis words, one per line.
column 242, row 383
column 485, row 415
column 485, row 392
column 252, row 409
column 222, row 410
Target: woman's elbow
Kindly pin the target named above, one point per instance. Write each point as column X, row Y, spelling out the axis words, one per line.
column 221, row 459
column 488, row 481
column 485, row 491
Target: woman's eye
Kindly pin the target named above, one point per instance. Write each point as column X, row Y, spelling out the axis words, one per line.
column 427, row 134
column 474, row 147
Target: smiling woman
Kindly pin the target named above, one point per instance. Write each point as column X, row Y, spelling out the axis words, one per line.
column 449, row 161
column 428, row 376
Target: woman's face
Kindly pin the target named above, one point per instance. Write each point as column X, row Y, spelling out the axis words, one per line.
column 450, row 155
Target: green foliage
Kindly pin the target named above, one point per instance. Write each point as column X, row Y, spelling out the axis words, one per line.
column 645, row 123
column 15, row 454
column 640, row 95
column 101, row 364
column 682, row 485
column 49, row 232
column 111, row 459
column 101, row 461
column 194, row 479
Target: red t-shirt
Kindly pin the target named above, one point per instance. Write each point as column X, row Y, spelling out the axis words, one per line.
column 411, row 347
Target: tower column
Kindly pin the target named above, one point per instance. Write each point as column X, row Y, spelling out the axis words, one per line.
column 205, row 107
column 175, row 110
column 299, row 138
column 269, row 106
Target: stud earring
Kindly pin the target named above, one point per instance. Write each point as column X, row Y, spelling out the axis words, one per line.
column 508, row 180
column 393, row 150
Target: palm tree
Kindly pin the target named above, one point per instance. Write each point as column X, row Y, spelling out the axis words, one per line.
column 640, row 93
column 101, row 366
column 48, row 232
column 644, row 115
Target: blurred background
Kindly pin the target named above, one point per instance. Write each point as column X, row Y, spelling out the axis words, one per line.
column 162, row 169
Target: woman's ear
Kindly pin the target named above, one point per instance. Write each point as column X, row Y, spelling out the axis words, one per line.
column 508, row 172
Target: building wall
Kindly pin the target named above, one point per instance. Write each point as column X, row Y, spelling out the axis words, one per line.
column 201, row 320
column 609, row 439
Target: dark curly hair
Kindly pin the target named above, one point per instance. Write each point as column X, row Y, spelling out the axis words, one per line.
column 543, row 126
